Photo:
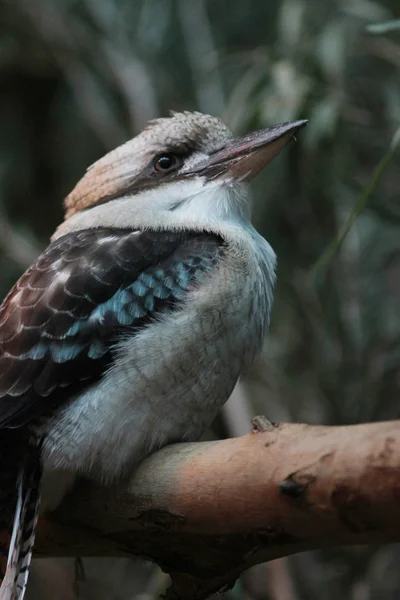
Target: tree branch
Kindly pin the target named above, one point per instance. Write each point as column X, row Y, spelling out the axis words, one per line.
column 206, row 511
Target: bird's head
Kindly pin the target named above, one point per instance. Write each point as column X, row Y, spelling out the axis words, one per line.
column 183, row 170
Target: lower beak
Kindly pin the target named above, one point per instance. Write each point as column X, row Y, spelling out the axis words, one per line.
column 242, row 158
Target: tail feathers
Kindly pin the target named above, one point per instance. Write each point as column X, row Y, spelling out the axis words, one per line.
column 18, row 524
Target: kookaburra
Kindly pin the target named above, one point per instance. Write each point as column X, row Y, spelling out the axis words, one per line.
column 131, row 329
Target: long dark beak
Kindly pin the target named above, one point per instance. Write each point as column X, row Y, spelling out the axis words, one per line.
column 242, row 158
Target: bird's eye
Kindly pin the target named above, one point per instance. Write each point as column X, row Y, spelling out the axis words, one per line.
column 166, row 163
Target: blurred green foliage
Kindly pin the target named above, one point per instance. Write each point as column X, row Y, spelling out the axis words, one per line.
column 79, row 77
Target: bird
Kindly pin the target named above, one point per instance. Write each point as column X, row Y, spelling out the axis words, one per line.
column 131, row 329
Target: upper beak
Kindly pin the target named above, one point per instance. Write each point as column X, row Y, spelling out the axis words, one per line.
column 243, row 157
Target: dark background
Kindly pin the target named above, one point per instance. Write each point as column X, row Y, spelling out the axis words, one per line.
column 78, row 78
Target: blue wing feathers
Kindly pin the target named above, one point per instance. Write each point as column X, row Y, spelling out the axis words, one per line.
column 59, row 323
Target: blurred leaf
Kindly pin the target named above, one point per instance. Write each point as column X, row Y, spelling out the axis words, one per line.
column 331, row 50
column 385, row 27
column 290, row 22
column 323, row 120
column 366, row 10
column 286, row 94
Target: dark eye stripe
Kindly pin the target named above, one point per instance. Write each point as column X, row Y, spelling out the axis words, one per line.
column 149, row 178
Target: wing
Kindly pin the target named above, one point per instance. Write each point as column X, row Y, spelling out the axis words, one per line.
column 59, row 323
